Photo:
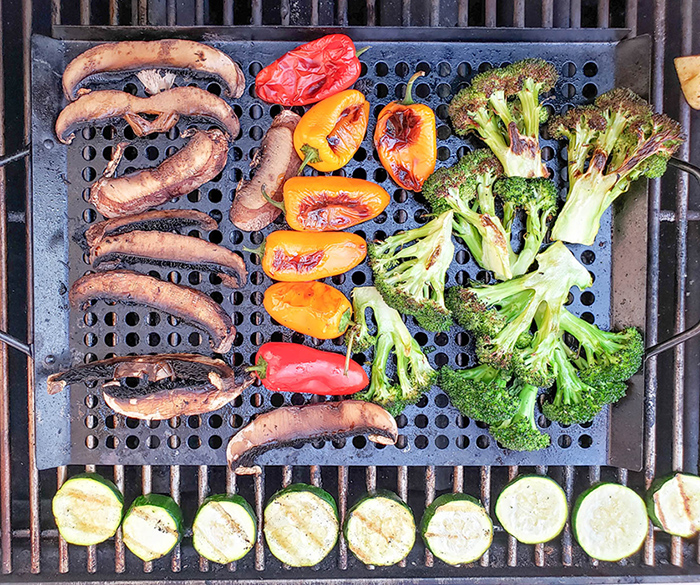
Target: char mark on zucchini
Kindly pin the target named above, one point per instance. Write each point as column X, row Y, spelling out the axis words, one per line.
column 172, row 250
column 170, row 54
column 187, row 304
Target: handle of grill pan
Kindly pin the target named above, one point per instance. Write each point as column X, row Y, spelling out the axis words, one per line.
column 683, row 336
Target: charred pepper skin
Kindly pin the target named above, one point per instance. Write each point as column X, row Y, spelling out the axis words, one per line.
column 406, row 140
column 290, row 367
column 330, row 132
column 311, row 72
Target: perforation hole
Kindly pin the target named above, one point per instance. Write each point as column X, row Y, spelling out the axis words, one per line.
column 359, row 442
column 132, row 442
column 401, row 69
column 483, row 441
column 590, row 69
column 589, row 91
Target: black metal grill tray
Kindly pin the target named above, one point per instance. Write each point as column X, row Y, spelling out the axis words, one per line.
column 77, row 427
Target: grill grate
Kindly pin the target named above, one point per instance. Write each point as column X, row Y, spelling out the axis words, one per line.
column 671, row 405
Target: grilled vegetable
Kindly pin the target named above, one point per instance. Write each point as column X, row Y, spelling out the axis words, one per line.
column 185, row 303
column 406, row 140
column 152, row 526
column 380, row 529
column 224, row 528
column 301, row 525
column 688, row 71
column 168, row 249
column 290, row 367
column 328, row 203
column 167, row 107
column 298, row 257
column 610, row 522
column 311, row 308
column 164, row 54
column 88, row 509
column 457, row 529
column 289, row 425
column 532, row 508
column 311, row 72
column 329, row 133
column 673, row 503
column 199, row 161
column 273, row 164
column 159, row 220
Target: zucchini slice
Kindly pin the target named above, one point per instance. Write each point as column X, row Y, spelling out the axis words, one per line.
column 380, row 529
column 532, row 508
column 88, row 509
column 610, row 521
column 224, row 528
column 301, row 525
column 152, row 526
column 457, row 529
column 673, row 503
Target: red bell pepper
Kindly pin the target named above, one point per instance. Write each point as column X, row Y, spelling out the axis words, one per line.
column 311, row 72
column 290, row 367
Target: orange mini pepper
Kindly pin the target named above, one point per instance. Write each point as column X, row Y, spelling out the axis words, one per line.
column 406, row 141
column 330, row 132
column 298, row 256
column 327, row 203
column 311, row 308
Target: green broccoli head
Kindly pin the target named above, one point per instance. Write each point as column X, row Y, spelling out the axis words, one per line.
column 410, row 268
column 520, row 432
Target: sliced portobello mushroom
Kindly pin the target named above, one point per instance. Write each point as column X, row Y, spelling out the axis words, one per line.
column 289, row 425
column 159, row 220
column 129, row 56
column 188, row 304
column 274, row 163
column 158, row 387
column 167, row 107
column 168, row 249
column 199, row 161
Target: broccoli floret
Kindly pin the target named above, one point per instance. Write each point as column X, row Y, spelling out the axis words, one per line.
column 520, row 433
column 504, row 314
column 503, row 107
column 604, row 356
column 409, row 271
column 611, row 144
column 413, row 371
column 481, row 393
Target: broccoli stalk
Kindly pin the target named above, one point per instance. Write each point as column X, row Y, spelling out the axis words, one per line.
column 409, row 271
column 503, row 107
column 520, row 433
column 504, row 314
column 413, row 371
column 481, row 393
column 611, row 144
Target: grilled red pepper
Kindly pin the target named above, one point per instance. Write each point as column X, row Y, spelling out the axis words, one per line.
column 311, row 72
column 290, row 367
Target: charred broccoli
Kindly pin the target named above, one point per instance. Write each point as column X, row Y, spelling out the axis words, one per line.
column 413, row 371
column 610, row 144
column 520, row 432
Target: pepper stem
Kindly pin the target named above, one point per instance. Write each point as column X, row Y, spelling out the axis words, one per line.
column 362, row 50
column 408, row 98
column 260, row 250
column 260, row 368
column 311, row 155
column 271, row 201
column 349, row 352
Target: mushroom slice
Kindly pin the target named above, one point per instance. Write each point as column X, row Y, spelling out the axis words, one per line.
column 168, row 249
column 290, row 425
column 167, row 106
column 160, row 220
column 274, row 163
column 199, row 161
column 156, row 387
column 165, row 54
column 188, row 304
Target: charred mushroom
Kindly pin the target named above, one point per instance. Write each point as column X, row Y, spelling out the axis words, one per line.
column 185, row 303
column 156, row 387
column 274, row 163
column 167, row 106
column 168, row 249
column 290, row 425
column 160, row 220
column 199, row 161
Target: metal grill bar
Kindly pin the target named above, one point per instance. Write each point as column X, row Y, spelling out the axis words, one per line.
column 119, row 552
column 61, row 476
column 176, row 555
